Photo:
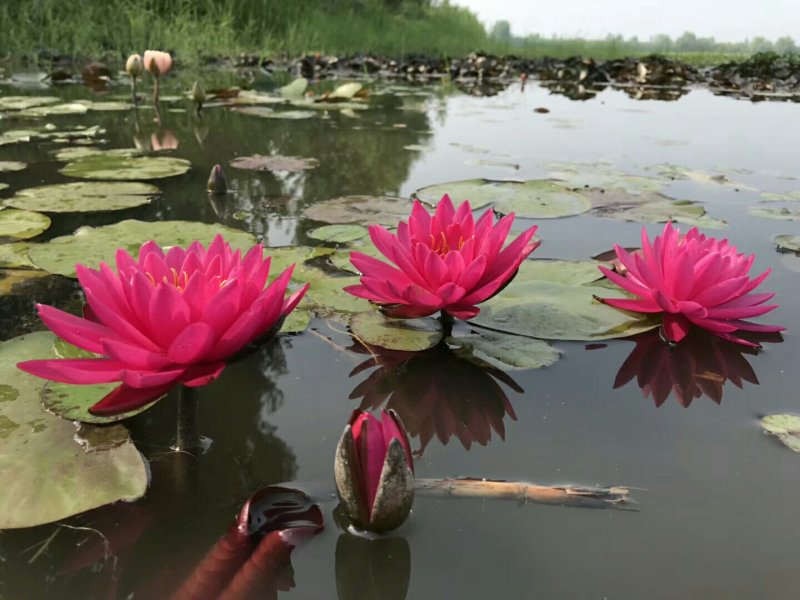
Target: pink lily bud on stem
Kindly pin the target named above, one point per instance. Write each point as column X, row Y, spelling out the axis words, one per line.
column 374, row 471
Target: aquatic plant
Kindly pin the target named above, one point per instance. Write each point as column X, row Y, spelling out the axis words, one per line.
column 374, row 471
column 692, row 279
column 165, row 319
column 134, row 67
column 444, row 262
column 158, row 63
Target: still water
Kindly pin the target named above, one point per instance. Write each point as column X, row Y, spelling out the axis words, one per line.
column 717, row 499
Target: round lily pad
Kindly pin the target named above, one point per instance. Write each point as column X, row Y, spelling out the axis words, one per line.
column 47, row 475
column 651, row 208
column 412, row 335
column 535, row 198
column 78, row 152
column 339, row 234
column 507, row 352
column 780, row 214
column 49, row 110
column 15, row 256
column 91, row 245
column 276, row 162
column 84, row 196
column 3, row 186
column 22, row 224
column 789, row 243
column 296, row 322
column 326, row 297
column 792, row 196
column 269, row 113
column 569, row 272
column 23, row 102
column 294, row 89
column 106, row 166
column 366, row 210
column 11, row 165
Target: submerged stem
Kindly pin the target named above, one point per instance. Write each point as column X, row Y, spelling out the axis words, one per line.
column 133, row 91
column 187, row 438
column 447, row 320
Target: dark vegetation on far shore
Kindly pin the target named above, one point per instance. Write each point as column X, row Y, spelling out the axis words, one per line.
column 198, row 30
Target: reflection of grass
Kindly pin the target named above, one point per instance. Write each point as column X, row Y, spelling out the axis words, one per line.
column 199, row 28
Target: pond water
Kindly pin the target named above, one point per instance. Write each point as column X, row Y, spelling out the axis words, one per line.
column 715, row 496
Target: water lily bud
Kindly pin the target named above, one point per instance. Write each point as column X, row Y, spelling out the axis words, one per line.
column 374, row 471
column 198, row 93
column 134, row 65
column 217, row 183
column 157, row 62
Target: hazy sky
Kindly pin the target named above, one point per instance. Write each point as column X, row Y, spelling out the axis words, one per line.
column 726, row 20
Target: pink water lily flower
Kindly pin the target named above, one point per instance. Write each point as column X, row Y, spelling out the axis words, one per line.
column 157, row 62
column 167, row 318
column 693, row 280
column 442, row 262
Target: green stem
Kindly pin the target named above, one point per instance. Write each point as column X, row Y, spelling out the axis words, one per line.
column 133, row 91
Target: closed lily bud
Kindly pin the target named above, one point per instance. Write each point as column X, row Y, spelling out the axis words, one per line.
column 134, row 65
column 157, row 62
column 198, row 93
column 217, row 183
column 374, row 471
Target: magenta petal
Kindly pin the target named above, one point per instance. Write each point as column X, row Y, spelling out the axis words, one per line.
column 78, row 332
column 675, row 327
column 125, row 399
column 75, row 370
column 192, row 344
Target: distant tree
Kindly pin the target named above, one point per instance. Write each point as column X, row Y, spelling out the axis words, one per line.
column 785, row 44
column 661, row 43
column 501, row 31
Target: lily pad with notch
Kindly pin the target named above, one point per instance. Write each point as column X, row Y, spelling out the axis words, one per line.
column 91, row 245
column 47, row 474
column 504, row 351
column 84, row 196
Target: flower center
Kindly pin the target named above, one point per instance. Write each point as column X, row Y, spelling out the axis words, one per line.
column 441, row 245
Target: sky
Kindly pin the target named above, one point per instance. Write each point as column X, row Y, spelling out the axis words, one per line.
column 725, row 20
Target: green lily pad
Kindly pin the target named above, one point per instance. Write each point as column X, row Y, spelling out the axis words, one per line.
column 569, row 272
column 78, row 152
column 650, row 208
column 15, row 256
column 536, row 198
column 602, row 175
column 788, row 243
column 11, row 165
column 365, row 210
column 269, row 113
column 294, row 89
column 49, row 110
column 504, row 351
column 540, row 199
column 339, row 234
column 297, row 321
column 105, row 166
column 24, row 102
column 3, row 186
column 344, row 92
column 676, row 172
column 411, row 335
column 106, row 105
column 326, row 297
column 16, row 136
column 22, row 224
column 84, row 196
column 555, row 311
column 47, row 475
column 91, row 245
column 785, row 427
column 341, row 258
column 781, row 214
column 793, row 196
column 341, row 105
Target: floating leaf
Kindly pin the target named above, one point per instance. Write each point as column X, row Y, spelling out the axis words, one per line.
column 11, row 165
column 555, row 311
column 276, row 162
column 649, row 208
column 106, row 105
column 46, row 474
column 789, row 243
column 296, row 322
column 15, row 256
column 70, row 108
column 16, row 136
column 90, row 245
column 507, row 352
column 785, row 427
column 22, row 224
column 570, row 272
column 781, row 214
column 346, row 91
column 3, row 186
column 684, row 173
column 339, row 234
column 785, row 197
column 9, row 279
column 269, row 113
column 23, row 102
column 108, row 166
column 411, row 335
column 603, row 175
column 84, row 197
column 294, row 89
column 366, row 210
column 78, row 152
column 536, row 198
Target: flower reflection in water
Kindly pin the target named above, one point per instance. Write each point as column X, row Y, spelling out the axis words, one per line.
column 700, row 365
column 437, row 393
